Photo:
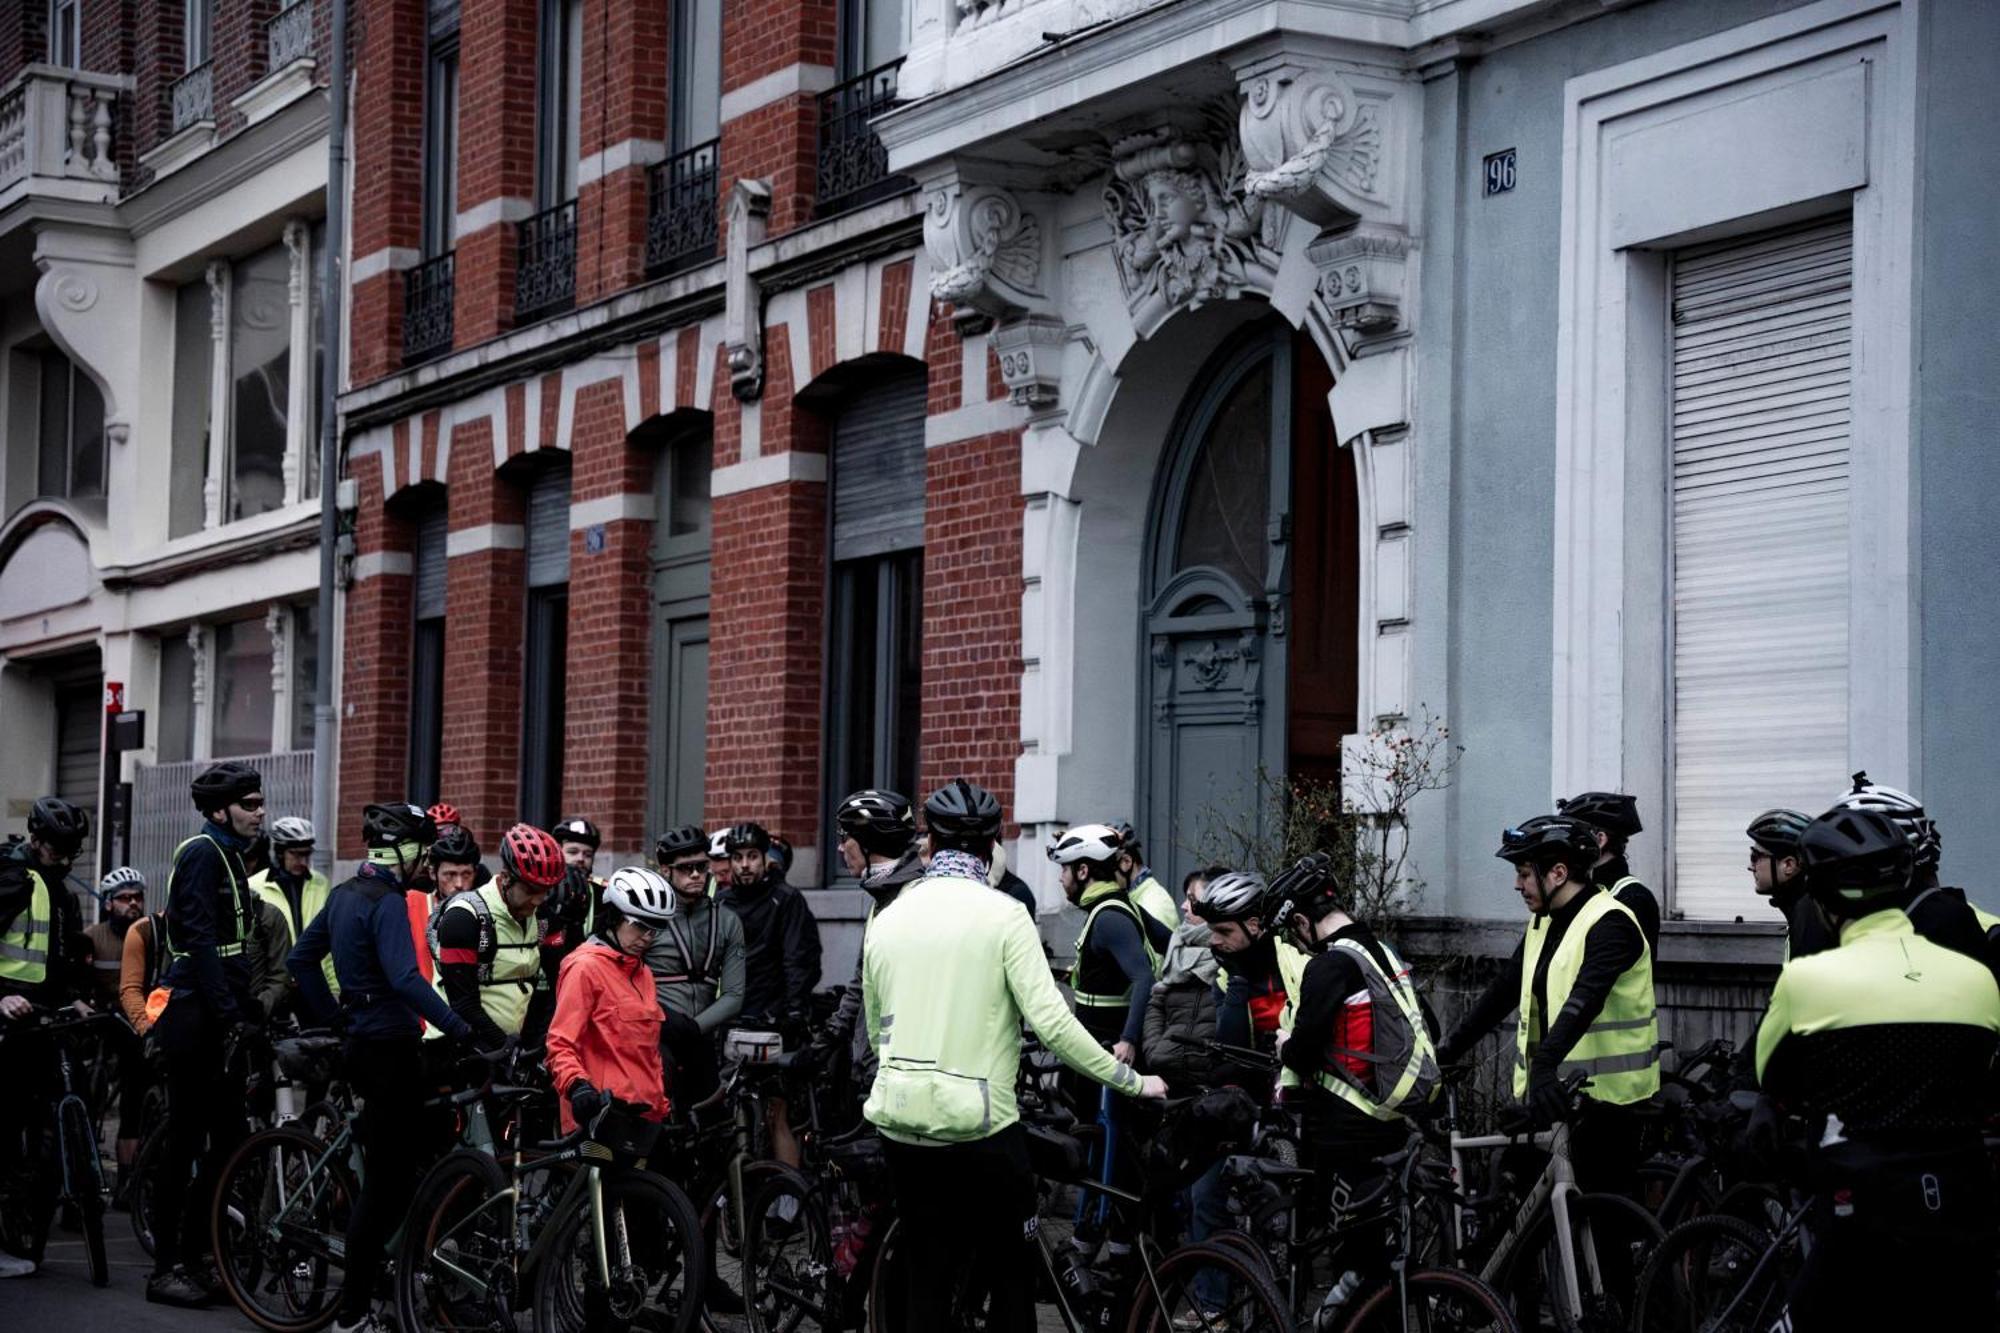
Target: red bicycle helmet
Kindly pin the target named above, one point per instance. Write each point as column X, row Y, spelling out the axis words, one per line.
column 445, row 813
column 532, row 855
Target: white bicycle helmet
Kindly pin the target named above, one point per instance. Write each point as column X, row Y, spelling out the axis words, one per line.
column 1232, row 897
column 718, row 845
column 124, row 877
column 1086, row 842
column 641, row 894
column 1906, row 810
column 292, row 831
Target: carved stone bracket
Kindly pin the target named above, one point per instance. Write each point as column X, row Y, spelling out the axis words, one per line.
column 87, row 301
column 1314, row 144
column 1030, row 351
column 743, row 317
column 1361, row 276
column 986, row 251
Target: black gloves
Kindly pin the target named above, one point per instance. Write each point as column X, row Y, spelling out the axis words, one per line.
column 1451, row 1051
column 1547, row 1101
column 681, row 1029
column 489, row 1041
column 584, row 1102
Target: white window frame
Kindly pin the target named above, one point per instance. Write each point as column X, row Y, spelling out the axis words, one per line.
column 197, row 32
column 1655, row 158
column 72, row 58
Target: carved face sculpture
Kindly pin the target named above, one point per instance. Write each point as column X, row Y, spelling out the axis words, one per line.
column 1177, row 201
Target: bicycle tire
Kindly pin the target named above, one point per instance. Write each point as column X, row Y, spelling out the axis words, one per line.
column 441, row 1214
column 643, row 1211
column 85, row 1170
column 1656, row 1184
column 1423, row 1290
column 1248, row 1248
column 1703, row 1264
column 286, row 1283
column 720, row 1236
column 795, row 1255
column 145, row 1177
column 1254, row 1306
column 1528, row 1272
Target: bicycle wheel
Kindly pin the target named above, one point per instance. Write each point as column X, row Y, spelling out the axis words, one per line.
column 1436, row 1300
column 888, row 1292
column 1622, row 1235
column 722, row 1236
column 455, row 1267
column 788, row 1258
column 280, row 1224
column 653, row 1249
column 145, row 1179
column 1249, row 1250
column 85, row 1169
column 1706, row 1277
column 1209, row 1287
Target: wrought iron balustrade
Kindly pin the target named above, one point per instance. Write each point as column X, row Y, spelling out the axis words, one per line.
column 681, row 209
column 545, row 262
column 288, row 34
column 193, row 97
column 427, row 298
column 853, row 165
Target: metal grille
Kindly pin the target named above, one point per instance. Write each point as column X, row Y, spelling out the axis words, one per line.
column 681, row 209
column 193, row 97
column 427, row 297
column 289, row 34
column 163, row 817
column 545, row 271
column 878, row 468
column 853, row 165
column 548, row 526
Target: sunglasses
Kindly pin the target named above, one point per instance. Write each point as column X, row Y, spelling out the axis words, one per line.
column 250, row 803
column 649, row 932
column 133, row 897
column 689, row 867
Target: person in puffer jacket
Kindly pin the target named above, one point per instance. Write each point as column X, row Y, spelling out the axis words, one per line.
column 1181, row 1012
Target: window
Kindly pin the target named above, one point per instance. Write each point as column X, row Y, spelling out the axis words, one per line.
column 197, row 17
column 1760, row 425
column 65, row 33
column 304, row 658
column 1229, row 489
column 241, row 703
column 260, row 364
column 194, row 361
column 440, row 208
column 71, row 430
column 873, row 33
column 558, row 111
column 875, row 638
column 546, row 648
column 427, row 660
column 175, row 730
column 697, row 77
column 316, row 336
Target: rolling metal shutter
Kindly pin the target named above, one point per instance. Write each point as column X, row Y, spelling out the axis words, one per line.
column 548, row 527
column 430, row 564
column 79, row 718
column 1760, row 425
column 878, row 468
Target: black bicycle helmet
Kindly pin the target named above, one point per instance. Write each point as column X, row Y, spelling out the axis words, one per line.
column 455, row 846
column 747, row 837
column 687, row 840
column 1614, row 812
column 1128, row 837
column 1548, row 839
column 576, row 829
column 396, row 824
column 1777, row 832
column 1857, row 860
column 59, row 824
column 962, row 810
column 220, row 784
column 883, row 822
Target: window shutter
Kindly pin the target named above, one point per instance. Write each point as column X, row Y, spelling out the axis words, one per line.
column 878, row 468
column 430, row 564
column 548, row 528
column 77, row 740
column 1760, row 422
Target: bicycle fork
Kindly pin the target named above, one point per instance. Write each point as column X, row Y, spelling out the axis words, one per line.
column 1573, row 1277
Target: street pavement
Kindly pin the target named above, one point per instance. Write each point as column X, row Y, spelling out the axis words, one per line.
column 60, row 1299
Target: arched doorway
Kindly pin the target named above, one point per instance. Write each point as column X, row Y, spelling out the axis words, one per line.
column 1250, row 600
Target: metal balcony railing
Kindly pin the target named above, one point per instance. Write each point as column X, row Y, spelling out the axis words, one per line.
column 853, row 165
column 193, row 97
column 427, row 298
column 681, row 209
column 288, row 34
column 59, row 124
column 545, row 263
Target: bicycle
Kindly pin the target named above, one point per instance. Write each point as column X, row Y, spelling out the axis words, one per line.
column 1721, row 1274
column 614, row 1246
column 77, row 1162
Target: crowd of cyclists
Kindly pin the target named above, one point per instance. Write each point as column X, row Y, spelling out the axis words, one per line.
column 1237, row 1110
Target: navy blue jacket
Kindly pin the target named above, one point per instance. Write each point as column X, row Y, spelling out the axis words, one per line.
column 209, row 905
column 366, row 927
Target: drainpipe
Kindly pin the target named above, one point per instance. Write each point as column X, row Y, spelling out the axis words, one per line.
column 331, row 337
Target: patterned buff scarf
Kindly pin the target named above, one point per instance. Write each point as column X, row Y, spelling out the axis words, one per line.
column 962, row 864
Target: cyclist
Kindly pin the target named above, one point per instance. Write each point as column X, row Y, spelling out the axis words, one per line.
column 489, row 938
column 604, row 1043
column 384, row 998
column 697, row 964
column 780, row 937
column 1146, row 892
column 291, row 884
column 718, row 861
column 1939, row 913
column 207, row 939
column 455, row 863
column 1115, row 961
column 1181, row 1011
column 878, row 844
column 1778, row 872
column 571, row 911
column 1009, row 883
column 1257, row 964
column 123, row 896
column 950, row 971
column 1885, row 1042
column 1614, row 818
column 1582, row 981
column 43, row 953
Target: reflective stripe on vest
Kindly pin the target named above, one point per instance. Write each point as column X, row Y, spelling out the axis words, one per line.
column 1088, row 1000
column 234, row 949
column 1619, row 1050
column 1420, row 1045
column 703, row 975
column 24, row 949
column 506, row 982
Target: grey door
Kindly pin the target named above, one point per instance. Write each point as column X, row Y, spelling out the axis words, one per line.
column 678, row 743
column 1214, row 650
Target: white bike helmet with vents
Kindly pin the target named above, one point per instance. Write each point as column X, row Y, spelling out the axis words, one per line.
column 641, row 894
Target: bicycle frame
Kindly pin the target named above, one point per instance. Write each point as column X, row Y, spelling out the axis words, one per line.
column 585, row 1189
column 1794, row 1225
column 1556, row 1188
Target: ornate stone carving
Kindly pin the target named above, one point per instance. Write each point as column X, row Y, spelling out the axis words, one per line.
column 743, row 316
column 1361, row 276
column 1184, row 229
column 1030, row 352
column 1210, row 666
column 74, row 291
column 986, row 250
column 217, row 277
column 274, row 625
column 1312, row 144
column 197, row 642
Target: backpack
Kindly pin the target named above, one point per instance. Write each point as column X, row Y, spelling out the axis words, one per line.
column 1403, row 1075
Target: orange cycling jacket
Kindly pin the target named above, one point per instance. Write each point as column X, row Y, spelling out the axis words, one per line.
column 606, row 1030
